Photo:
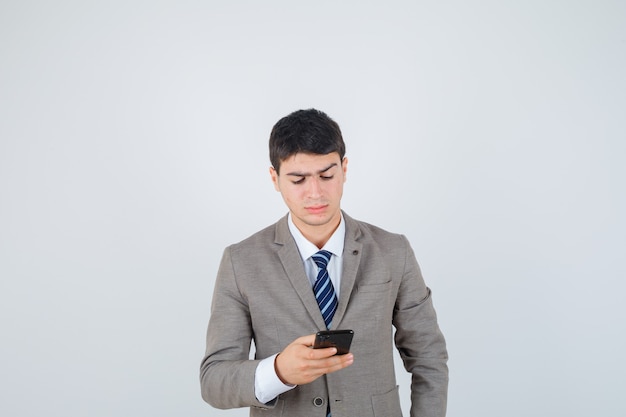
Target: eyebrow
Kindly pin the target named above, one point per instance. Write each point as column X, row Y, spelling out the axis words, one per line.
column 306, row 174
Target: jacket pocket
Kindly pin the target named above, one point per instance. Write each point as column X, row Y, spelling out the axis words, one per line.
column 388, row 404
column 385, row 286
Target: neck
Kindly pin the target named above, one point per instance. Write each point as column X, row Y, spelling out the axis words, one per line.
column 318, row 234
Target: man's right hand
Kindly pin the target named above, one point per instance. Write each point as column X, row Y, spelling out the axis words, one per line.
column 300, row 364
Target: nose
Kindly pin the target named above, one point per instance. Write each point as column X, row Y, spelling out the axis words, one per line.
column 315, row 188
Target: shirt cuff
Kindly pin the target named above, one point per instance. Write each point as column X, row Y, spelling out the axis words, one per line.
column 267, row 385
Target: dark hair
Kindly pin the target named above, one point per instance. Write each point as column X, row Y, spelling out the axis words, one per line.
column 308, row 131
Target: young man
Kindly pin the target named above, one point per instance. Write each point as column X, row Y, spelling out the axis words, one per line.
column 317, row 269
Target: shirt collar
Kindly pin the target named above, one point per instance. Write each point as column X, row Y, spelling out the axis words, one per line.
column 308, row 249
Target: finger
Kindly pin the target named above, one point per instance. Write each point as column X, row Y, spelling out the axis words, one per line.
column 322, row 353
column 329, row 365
column 305, row 340
column 337, row 363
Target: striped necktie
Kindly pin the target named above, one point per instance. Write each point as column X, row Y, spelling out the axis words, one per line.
column 323, row 288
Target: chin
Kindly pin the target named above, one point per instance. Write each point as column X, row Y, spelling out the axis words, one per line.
column 313, row 219
column 318, row 219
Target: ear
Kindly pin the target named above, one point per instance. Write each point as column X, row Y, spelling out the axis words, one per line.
column 274, row 176
column 344, row 167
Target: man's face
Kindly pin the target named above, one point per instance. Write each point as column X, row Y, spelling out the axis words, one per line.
column 312, row 186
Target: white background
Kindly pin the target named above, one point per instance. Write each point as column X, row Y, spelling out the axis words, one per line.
column 133, row 149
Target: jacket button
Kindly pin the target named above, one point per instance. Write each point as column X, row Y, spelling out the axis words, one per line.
column 318, row 401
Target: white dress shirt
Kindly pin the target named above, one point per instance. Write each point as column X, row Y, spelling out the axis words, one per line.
column 267, row 385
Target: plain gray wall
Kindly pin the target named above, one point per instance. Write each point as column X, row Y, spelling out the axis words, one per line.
column 133, row 149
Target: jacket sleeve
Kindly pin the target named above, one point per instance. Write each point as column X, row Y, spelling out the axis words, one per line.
column 420, row 342
column 226, row 372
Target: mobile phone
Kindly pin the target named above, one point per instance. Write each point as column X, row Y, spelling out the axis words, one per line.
column 340, row 339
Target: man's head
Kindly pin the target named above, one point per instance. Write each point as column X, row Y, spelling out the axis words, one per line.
column 305, row 131
column 309, row 170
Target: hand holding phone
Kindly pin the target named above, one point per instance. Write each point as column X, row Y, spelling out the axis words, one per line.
column 340, row 339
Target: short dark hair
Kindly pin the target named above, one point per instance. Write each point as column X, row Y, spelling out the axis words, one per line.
column 308, row 131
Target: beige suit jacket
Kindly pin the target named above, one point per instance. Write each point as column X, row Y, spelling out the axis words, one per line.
column 262, row 294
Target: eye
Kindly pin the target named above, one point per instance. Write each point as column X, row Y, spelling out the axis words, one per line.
column 300, row 181
column 326, row 177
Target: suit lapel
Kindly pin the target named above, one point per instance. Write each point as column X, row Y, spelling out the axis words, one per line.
column 292, row 264
column 351, row 259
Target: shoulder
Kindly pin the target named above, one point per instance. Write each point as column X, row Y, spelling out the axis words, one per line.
column 382, row 250
column 368, row 233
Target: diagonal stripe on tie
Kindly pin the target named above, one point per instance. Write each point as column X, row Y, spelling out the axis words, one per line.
column 323, row 288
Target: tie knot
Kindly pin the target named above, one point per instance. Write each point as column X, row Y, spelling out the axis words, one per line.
column 322, row 258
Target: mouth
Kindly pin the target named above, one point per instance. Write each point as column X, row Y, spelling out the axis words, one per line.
column 317, row 209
